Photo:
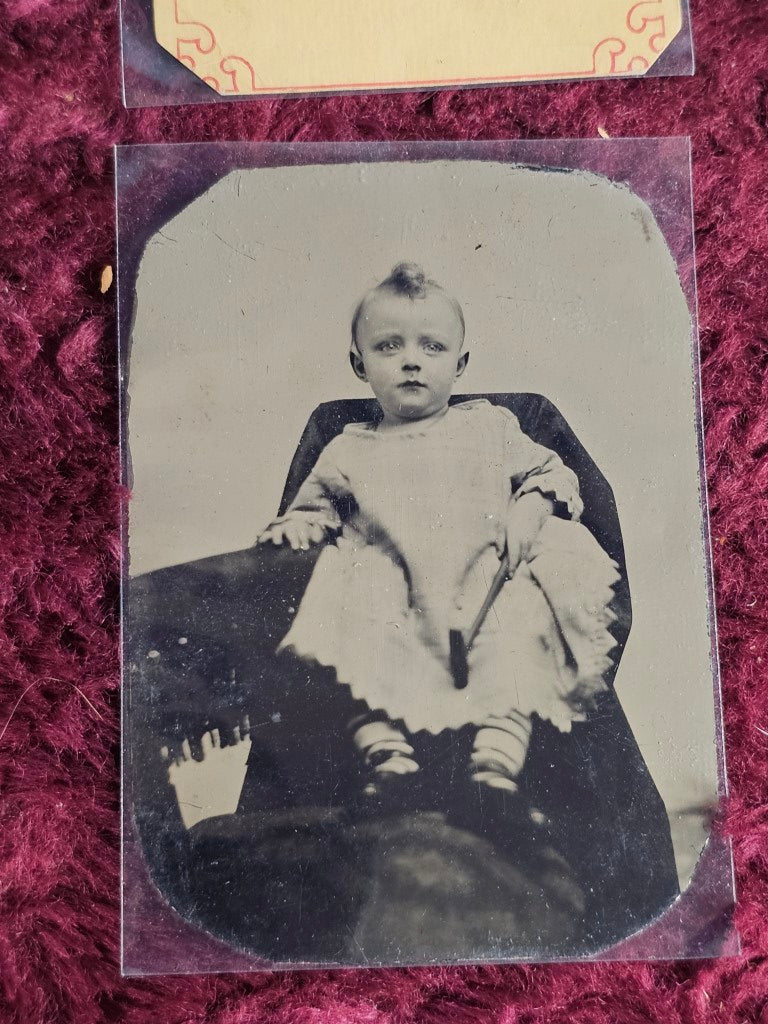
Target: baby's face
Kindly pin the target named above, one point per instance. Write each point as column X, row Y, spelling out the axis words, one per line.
column 410, row 353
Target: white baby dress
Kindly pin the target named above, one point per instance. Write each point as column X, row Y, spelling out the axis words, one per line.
column 416, row 557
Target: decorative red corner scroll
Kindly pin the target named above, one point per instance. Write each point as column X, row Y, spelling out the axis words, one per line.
column 296, row 46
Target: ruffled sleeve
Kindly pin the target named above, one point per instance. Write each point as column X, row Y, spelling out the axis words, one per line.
column 532, row 467
column 317, row 500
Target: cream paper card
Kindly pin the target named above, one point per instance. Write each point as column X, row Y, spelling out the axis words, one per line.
column 248, row 47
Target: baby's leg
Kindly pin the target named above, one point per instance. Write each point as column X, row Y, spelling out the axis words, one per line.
column 499, row 750
column 384, row 747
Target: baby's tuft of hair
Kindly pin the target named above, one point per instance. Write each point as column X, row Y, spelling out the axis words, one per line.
column 409, row 280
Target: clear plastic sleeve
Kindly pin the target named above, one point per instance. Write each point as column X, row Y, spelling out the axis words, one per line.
column 249, row 840
column 153, row 76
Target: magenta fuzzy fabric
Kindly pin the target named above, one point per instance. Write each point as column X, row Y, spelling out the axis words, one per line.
column 60, row 113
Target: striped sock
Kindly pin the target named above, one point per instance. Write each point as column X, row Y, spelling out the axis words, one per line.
column 384, row 747
column 499, row 750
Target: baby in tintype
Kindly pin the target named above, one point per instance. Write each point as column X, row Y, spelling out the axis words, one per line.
column 422, row 503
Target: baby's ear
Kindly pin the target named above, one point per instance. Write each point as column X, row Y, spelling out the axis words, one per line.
column 357, row 364
column 462, row 364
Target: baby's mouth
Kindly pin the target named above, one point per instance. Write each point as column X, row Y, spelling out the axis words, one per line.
column 408, row 384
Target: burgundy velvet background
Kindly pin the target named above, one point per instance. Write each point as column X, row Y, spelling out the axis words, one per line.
column 59, row 866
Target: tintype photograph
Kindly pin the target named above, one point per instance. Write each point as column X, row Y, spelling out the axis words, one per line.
column 418, row 641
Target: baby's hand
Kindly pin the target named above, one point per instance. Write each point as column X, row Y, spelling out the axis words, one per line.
column 525, row 517
column 299, row 533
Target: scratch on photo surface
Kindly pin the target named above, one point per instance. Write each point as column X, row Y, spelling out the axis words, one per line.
column 441, row 755
column 234, row 248
column 354, row 939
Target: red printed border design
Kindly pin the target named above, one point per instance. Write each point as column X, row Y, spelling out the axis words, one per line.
column 199, row 39
column 635, row 55
column 613, row 55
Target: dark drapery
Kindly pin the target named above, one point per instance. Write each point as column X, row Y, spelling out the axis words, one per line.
column 606, row 819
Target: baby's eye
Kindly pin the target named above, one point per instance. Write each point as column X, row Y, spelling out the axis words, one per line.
column 434, row 346
column 386, row 346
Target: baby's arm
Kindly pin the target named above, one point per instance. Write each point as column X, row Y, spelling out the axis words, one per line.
column 300, row 533
column 541, row 484
column 526, row 514
column 312, row 512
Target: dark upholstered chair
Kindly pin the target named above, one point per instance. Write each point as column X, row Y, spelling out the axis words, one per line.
column 607, row 821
